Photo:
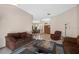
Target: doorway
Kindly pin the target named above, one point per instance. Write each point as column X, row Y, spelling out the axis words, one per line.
column 47, row 29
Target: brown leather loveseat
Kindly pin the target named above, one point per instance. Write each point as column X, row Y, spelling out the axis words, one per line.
column 15, row 40
column 71, row 45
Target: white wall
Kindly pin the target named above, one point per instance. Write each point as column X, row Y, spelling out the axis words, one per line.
column 70, row 18
column 78, row 19
column 13, row 19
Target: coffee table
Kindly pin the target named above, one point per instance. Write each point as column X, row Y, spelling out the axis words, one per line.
column 45, row 46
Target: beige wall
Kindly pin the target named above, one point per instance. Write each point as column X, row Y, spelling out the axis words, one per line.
column 78, row 19
column 13, row 19
column 70, row 18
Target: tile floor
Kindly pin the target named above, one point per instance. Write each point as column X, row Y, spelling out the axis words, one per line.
column 5, row 50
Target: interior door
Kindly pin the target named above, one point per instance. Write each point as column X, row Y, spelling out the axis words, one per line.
column 47, row 29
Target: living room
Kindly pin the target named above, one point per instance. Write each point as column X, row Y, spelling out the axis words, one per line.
column 18, row 21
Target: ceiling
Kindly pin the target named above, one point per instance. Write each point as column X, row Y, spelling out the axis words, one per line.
column 40, row 11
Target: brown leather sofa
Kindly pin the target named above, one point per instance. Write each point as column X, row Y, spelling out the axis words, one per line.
column 56, row 35
column 15, row 40
column 71, row 45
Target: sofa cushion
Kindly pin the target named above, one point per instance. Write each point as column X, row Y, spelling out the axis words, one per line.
column 74, row 50
column 69, row 44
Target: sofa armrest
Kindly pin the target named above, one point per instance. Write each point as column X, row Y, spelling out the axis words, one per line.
column 10, row 38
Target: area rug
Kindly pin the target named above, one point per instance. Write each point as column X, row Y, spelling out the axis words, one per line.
column 33, row 50
column 18, row 50
column 59, row 49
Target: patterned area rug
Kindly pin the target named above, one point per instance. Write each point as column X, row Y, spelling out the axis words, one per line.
column 29, row 49
column 59, row 49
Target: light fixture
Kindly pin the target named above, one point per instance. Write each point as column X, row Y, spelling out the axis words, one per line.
column 35, row 21
column 65, row 29
column 48, row 14
column 46, row 19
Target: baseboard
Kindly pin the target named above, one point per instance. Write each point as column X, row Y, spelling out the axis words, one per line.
column 2, row 47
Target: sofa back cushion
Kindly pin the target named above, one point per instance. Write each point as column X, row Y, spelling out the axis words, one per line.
column 15, row 35
column 57, row 35
column 23, row 35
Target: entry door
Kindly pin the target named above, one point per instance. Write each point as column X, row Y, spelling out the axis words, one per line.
column 47, row 29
